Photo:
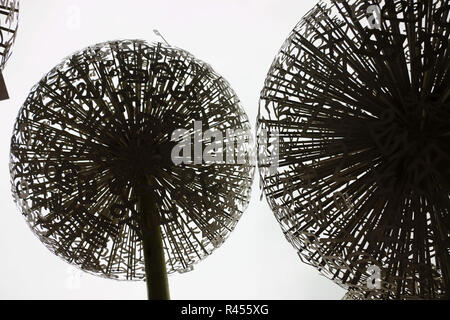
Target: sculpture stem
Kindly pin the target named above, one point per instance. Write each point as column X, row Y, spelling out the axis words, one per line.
column 3, row 91
column 155, row 264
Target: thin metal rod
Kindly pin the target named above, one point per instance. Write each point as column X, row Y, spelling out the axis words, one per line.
column 161, row 36
column 155, row 264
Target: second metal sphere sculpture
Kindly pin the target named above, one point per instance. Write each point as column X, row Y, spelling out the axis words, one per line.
column 358, row 99
column 9, row 20
column 92, row 161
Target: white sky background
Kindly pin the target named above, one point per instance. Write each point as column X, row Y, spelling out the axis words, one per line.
column 239, row 39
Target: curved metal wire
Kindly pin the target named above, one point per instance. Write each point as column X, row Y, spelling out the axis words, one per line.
column 9, row 21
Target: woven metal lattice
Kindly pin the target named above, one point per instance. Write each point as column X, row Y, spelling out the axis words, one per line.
column 358, row 99
column 9, row 20
column 98, row 122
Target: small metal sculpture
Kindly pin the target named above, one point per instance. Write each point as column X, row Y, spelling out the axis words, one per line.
column 9, row 20
column 92, row 161
column 358, row 99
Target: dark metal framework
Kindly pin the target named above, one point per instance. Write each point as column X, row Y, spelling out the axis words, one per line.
column 9, row 20
column 359, row 96
column 99, row 122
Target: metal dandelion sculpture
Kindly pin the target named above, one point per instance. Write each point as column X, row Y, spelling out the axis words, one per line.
column 96, row 171
column 9, row 19
column 356, row 108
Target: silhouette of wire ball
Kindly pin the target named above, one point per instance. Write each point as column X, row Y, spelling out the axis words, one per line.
column 98, row 122
column 356, row 108
column 9, row 20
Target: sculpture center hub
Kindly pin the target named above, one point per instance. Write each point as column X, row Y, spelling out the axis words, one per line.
column 414, row 146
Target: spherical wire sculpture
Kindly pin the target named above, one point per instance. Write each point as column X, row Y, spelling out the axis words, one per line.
column 9, row 20
column 356, row 108
column 93, row 161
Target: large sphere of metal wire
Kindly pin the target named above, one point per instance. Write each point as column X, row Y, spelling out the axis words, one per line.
column 104, row 118
column 356, row 109
column 9, row 20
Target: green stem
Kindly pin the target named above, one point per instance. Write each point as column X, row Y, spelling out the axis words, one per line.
column 155, row 264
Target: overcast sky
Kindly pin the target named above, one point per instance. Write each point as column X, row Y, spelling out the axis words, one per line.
column 239, row 39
